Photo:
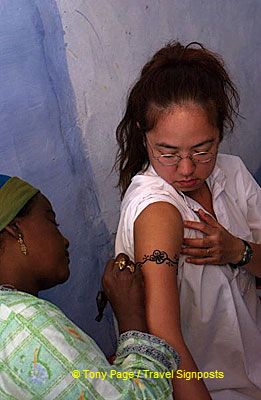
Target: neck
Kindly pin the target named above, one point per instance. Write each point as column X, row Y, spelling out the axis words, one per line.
column 10, row 287
column 203, row 197
column 18, row 283
column 7, row 287
column 199, row 194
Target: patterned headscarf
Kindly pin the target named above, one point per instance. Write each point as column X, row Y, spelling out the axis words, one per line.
column 14, row 194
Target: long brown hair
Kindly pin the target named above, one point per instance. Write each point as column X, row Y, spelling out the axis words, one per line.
column 174, row 75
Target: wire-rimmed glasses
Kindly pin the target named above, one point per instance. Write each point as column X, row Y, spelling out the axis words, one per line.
column 199, row 157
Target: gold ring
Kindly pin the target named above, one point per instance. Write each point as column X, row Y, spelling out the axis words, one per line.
column 131, row 267
column 121, row 264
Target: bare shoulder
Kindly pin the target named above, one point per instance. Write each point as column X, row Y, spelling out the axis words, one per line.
column 158, row 230
column 160, row 217
column 160, row 210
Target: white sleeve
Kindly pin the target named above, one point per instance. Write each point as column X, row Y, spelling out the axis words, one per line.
column 129, row 213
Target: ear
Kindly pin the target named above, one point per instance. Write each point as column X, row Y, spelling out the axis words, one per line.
column 13, row 230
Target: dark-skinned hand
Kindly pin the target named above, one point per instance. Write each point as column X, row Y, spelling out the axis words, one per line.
column 125, row 291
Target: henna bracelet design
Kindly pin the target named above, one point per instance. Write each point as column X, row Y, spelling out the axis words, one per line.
column 159, row 257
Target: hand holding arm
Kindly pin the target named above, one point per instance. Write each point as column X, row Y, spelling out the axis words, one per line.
column 217, row 246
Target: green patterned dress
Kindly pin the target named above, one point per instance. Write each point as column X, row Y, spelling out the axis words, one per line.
column 44, row 356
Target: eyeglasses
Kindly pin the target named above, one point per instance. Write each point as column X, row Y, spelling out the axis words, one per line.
column 200, row 157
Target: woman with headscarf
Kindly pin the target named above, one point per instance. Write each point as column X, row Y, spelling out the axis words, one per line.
column 43, row 355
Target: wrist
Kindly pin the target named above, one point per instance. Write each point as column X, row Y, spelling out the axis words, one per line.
column 132, row 323
column 246, row 256
column 238, row 252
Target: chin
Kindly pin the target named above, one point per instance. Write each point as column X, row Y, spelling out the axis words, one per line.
column 187, row 189
column 57, row 280
column 65, row 276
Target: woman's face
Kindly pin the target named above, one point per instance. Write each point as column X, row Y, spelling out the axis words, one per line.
column 48, row 257
column 183, row 130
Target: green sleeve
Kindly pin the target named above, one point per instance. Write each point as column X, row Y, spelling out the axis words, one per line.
column 44, row 356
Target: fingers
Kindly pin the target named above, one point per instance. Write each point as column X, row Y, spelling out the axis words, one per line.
column 199, row 226
column 199, row 256
column 206, row 224
column 207, row 218
column 109, row 267
column 112, row 270
column 203, row 256
column 197, row 242
column 198, row 252
column 123, row 262
column 107, row 274
column 202, row 261
column 124, row 288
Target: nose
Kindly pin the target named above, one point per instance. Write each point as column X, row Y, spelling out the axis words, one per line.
column 186, row 167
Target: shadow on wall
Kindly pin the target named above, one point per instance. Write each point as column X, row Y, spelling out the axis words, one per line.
column 40, row 142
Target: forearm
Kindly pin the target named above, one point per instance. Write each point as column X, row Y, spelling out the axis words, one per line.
column 193, row 389
column 135, row 322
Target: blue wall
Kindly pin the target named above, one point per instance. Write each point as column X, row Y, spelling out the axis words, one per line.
column 40, row 141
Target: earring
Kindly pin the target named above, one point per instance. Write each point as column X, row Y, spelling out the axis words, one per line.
column 23, row 247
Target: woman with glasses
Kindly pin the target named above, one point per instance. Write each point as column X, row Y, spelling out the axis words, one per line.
column 191, row 217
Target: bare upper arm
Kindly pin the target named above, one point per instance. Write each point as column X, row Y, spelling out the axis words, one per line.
column 160, row 227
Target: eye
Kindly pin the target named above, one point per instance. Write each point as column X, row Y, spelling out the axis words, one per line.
column 199, row 152
column 169, row 155
column 202, row 150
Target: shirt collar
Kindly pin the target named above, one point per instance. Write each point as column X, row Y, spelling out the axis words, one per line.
column 217, row 180
column 216, row 183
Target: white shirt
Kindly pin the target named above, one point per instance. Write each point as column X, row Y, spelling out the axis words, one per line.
column 220, row 310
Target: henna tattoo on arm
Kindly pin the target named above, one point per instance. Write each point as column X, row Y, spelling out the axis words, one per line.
column 159, row 257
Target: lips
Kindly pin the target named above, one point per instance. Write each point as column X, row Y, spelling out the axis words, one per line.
column 188, row 182
column 67, row 255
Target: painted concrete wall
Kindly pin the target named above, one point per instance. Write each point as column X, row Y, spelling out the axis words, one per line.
column 65, row 69
column 41, row 142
